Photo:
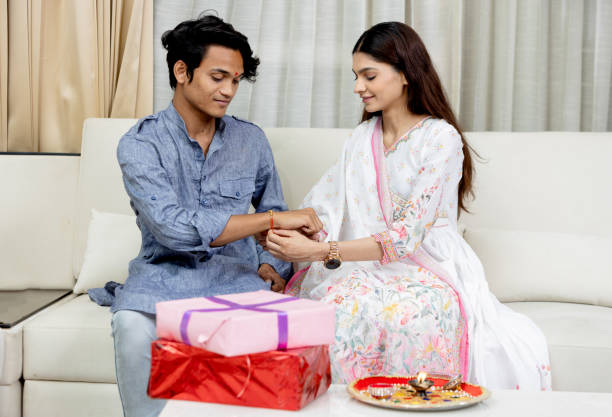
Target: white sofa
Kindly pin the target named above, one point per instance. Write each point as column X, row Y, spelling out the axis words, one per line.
column 541, row 224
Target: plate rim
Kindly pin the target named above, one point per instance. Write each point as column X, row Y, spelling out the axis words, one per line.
column 413, row 407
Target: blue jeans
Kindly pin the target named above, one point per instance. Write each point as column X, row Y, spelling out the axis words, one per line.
column 133, row 333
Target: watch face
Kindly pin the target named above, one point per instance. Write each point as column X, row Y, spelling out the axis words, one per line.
column 332, row 263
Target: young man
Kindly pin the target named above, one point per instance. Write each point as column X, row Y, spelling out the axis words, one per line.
column 191, row 173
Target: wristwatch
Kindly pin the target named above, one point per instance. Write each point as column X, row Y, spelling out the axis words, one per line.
column 332, row 260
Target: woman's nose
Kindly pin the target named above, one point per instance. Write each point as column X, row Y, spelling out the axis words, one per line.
column 358, row 87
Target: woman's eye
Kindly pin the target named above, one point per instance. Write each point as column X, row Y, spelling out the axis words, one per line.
column 370, row 78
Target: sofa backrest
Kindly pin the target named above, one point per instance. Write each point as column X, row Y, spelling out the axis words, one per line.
column 539, row 223
column 541, row 219
column 302, row 156
column 36, row 220
column 543, row 181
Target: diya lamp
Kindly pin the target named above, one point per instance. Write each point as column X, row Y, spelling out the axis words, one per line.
column 421, row 384
column 453, row 383
column 381, row 390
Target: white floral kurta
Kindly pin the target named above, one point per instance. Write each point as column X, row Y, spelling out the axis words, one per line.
column 426, row 304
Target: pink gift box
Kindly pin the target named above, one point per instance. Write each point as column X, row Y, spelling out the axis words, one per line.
column 239, row 324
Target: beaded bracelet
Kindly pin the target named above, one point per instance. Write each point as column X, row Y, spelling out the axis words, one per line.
column 389, row 252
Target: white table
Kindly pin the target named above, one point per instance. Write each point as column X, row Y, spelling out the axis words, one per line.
column 337, row 403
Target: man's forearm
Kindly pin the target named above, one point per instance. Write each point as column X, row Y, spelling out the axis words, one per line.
column 240, row 226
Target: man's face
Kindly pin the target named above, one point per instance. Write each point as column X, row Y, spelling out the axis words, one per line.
column 214, row 82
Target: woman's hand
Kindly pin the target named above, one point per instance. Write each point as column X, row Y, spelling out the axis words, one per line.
column 293, row 246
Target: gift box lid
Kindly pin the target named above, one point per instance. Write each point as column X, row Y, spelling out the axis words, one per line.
column 244, row 323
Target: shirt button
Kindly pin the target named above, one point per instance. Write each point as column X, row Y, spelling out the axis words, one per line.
column 204, row 178
column 153, row 198
column 204, row 203
column 237, row 193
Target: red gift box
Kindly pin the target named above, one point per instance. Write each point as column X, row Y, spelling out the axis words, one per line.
column 277, row 379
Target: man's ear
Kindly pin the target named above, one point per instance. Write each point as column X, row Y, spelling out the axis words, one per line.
column 180, row 72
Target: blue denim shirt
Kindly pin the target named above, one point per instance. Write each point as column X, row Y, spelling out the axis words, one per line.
column 183, row 201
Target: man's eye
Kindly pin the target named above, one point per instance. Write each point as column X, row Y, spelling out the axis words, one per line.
column 217, row 79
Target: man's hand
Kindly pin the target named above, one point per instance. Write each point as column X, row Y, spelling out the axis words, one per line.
column 304, row 220
column 269, row 274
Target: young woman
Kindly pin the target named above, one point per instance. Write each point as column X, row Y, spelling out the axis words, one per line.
column 410, row 293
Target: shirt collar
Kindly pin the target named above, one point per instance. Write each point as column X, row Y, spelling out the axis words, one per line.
column 176, row 118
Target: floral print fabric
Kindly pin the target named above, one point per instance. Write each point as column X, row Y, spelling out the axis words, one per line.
column 394, row 322
column 426, row 304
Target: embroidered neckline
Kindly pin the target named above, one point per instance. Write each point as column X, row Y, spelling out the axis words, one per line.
column 405, row 136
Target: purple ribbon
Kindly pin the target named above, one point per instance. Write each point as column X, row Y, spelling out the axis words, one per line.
column 283, row 324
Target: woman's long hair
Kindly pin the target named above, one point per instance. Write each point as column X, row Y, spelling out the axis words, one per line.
column 401, row 47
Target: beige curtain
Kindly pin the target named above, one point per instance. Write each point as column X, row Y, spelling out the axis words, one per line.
column 506, row 64
column 62, row 61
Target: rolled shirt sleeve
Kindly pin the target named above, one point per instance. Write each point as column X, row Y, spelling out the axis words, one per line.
column 268, row 195
column 156, row 203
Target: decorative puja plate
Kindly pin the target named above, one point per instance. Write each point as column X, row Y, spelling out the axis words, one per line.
column 403, row 397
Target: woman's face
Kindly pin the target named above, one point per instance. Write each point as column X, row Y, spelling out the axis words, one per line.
column 379, row 85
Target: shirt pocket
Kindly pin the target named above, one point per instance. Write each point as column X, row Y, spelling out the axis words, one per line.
column 238, row 188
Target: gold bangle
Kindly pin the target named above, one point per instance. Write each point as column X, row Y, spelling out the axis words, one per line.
column 271, row 213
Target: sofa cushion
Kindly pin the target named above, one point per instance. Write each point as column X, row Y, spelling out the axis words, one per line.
column 112, row 242
column 100, row 183
column 579, row 341
column 11, row 343
column 37, row 212
column 536, row 266
column 542, row 181
column 70, row 399
column 10, row 400
column 11, row 356
column 72, row 342
column 302, row 156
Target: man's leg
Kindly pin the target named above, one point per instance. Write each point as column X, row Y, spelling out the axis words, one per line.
column 133, row 333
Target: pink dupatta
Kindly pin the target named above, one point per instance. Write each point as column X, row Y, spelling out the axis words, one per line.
column 420, row 256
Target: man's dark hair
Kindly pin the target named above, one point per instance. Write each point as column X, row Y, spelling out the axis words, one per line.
column 189, row 42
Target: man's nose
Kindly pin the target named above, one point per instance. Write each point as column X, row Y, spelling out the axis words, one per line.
column 228, row 89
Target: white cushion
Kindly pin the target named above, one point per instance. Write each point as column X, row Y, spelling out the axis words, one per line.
column 11, row 346
column 112, row 242
column 37, row 212
column 302, row 156
column 535, row 266
column 10, row 400
column 579, row 342
column 11, row 355
column 72, row 342
column 70, row 399
column 100, row 183
column 543, row 181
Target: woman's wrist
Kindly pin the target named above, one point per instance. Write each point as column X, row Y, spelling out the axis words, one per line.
column 321, row 251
